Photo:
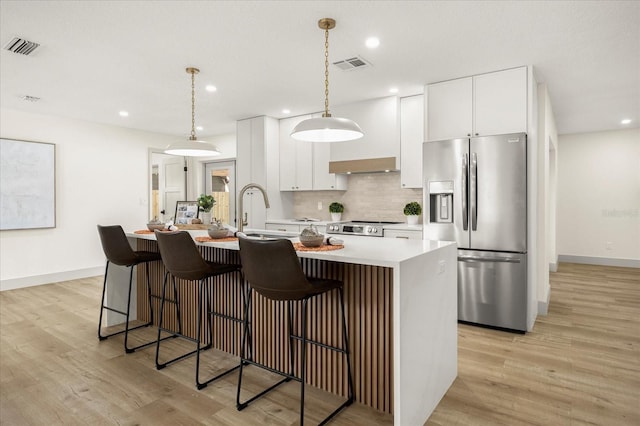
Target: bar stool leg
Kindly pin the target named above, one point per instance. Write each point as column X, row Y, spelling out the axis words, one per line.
column 175, row 298
column 347, row 352
column 164, row 291
column 245, row 331
column 149, row 295
column 126, row 325
column 303, row 357
column 104, row 289
column 292, row 341
column 198, row 335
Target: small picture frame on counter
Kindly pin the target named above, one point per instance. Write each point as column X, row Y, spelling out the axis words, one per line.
column 185, row 212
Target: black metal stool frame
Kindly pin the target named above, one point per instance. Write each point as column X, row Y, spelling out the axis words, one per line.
column 291, row 376
column 127, row 313
column 115, row 246
column 204, row 294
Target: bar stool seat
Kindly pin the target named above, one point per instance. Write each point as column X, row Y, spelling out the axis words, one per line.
column 272, row 268
column 183, row 260
column 118, row 251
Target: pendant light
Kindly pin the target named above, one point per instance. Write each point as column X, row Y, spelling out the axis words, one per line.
column 327, row 128
column 192, row 147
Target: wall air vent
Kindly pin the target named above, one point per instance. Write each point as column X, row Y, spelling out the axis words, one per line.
column 30, row 98
column 352, row 63
column 21, row 46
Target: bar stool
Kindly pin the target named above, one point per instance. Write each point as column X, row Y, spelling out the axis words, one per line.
column 273, row 270
column 118, row 251
column 183, row 260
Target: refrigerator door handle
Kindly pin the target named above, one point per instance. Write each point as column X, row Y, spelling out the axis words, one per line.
column 474, row 191
column 464, row 185
column 488, row 259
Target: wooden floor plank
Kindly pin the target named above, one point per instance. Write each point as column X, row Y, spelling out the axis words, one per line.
column 579, row 366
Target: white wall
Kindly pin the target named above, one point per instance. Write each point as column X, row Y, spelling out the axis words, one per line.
column 546, row 204
column 599, row 197
column 101, row 178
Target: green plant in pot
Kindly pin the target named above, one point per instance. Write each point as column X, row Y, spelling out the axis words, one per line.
column 205, row 204
column 336, row 209
column 412, row 210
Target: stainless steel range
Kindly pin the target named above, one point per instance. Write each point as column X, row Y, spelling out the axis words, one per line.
column 358, row 227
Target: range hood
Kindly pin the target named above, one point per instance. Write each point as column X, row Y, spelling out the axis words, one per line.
column 369, row 165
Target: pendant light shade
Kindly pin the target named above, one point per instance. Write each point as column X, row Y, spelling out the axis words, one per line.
column 192, row 147
column 327, row 128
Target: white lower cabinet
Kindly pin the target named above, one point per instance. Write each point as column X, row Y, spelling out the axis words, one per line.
column 407, row 234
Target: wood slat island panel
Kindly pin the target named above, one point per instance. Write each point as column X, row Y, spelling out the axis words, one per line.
column 368, row 293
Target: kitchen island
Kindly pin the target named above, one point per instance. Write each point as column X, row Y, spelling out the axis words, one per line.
column 401, row 308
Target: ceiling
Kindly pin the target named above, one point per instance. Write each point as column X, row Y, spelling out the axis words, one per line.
column 100, row 57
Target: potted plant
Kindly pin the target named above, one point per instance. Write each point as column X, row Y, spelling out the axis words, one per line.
column 336, row 210
column 205, row 204
column 412, row 210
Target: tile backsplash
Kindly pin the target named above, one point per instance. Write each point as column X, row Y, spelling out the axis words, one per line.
column 370, row 196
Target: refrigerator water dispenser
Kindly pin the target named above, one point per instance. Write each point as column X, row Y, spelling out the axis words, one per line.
column 441, row 201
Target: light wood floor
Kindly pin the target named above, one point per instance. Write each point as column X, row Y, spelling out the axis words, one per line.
column 579, row 366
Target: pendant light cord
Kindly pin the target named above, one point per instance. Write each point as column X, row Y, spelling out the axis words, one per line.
column 326, row 72
column 193, row 106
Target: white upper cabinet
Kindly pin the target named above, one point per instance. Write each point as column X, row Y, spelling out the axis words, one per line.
column 304, row 166
column 487, row 104
column 449, row 109
column 322, row 179
column 379, row 120
column 296, row 158
column 500, row 102
column 411, row 139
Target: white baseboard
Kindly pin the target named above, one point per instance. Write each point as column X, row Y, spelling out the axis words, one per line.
column 553, row 265
column 604, row 261
column 55, row 277
column 543, row 305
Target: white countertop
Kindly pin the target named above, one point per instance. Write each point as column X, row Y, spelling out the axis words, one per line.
column 298, row 222
column 388, row 252
column 398, row 226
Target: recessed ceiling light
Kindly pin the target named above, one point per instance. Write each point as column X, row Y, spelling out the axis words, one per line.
column 286, row 111
column 372, row 42
column 199, row 128
column 626, row 121
column 211, row 88
column 123, row 114
column 393, row 90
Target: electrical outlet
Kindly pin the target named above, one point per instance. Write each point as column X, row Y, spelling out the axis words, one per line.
column 441, row 266
column 609, row 245
column 319, row 205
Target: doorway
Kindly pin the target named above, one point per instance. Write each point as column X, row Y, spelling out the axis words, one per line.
column 220, row 182
column 168, row 185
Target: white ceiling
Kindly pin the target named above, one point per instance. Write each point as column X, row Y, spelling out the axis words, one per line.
column 99, row 57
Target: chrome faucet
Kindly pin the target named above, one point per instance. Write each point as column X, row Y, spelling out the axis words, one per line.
column 241, row 221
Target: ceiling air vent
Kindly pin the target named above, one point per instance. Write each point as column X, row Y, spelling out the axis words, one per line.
column 21, row 46
column 352, row 63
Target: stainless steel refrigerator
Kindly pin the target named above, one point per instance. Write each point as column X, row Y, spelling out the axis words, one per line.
column 476, row 195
